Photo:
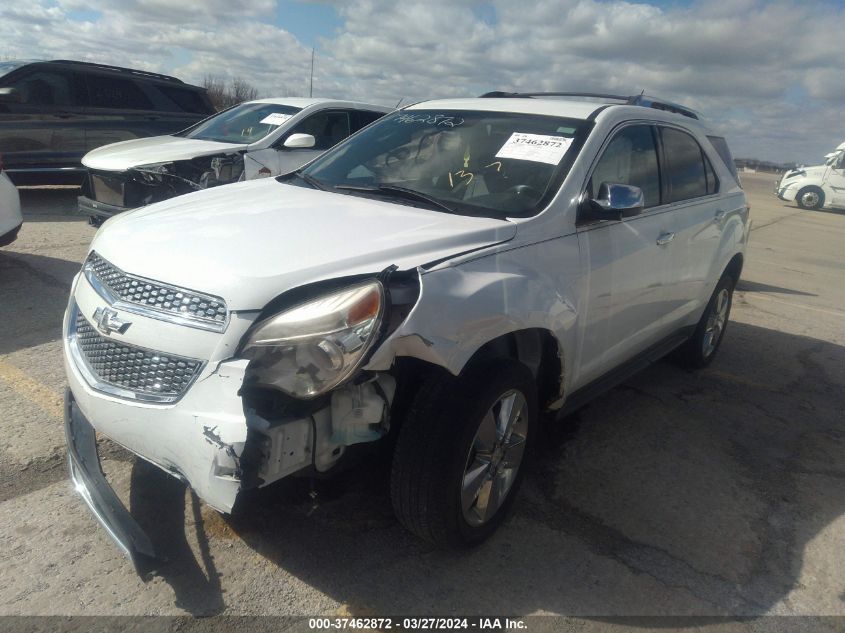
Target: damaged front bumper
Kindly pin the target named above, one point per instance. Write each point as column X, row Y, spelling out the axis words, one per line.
column 98, row 212
column 90, row 483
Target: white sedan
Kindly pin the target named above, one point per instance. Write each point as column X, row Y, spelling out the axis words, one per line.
column 10, row 209
column 255, row 139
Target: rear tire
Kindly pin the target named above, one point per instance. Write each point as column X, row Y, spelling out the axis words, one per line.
column 460, row 456
column 700, row 349
column 810, row 198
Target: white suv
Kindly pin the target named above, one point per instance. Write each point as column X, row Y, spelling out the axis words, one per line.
column 437, row 280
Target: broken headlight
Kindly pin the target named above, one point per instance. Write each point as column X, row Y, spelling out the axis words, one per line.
column 311, row 348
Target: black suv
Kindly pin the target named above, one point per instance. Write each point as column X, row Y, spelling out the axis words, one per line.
column 54, row 112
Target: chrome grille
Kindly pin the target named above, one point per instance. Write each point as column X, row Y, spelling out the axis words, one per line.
column 169, row 302
column 143, row 373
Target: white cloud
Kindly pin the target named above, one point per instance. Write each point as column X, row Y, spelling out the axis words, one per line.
column 747, row 64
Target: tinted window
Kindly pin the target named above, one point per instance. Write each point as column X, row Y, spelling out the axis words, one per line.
column 327, row 128
column 712, row 181
column 721, row 147
column 363, row 118
column 121, row 94
column 684, row 165
column 187, row 100
column 630, row 159
column 50, row 89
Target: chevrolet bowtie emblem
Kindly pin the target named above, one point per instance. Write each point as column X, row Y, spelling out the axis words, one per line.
column 107, row 321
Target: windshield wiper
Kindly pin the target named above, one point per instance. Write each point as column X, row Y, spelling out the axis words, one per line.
column 317, row 184
column 402, row 192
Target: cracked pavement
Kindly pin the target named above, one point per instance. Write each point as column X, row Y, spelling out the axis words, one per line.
column 719, row 492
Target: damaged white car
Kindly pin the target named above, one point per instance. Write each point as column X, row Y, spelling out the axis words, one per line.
column 254, row 139
column 438, row 279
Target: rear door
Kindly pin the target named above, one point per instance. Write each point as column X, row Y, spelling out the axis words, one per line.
column 45, row 129
column 624, row 299
column 691, row 190
column 119, row 110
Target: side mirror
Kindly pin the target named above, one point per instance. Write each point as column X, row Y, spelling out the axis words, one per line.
column 300, row 141
column 10, row 95
column 615, row 201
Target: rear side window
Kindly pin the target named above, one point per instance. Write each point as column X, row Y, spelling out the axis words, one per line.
column 721, row 147
column 187, row 100
column 112, row 92
column 685, row 169
column 630, row 159
column 43, row 88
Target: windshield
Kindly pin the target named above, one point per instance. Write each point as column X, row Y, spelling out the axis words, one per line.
column 245, row 123
column 7, row 67
column 470, row 162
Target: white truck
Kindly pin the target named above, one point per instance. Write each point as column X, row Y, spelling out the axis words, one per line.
column 816, row 186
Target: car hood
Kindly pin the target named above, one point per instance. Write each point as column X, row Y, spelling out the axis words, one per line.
column 814, row 171
column 156, row 149
column 249, row 242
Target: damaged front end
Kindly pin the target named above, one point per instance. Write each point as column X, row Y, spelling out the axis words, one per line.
column 292, row 399
column 107, row 193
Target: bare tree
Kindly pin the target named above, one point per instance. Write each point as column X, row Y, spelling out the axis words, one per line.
column 223, row 96
column 242, row 90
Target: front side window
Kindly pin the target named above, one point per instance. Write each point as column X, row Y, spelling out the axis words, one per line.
column 496, row 164
column 685, row 167
column 245, row 123
column 630, row 159
column 327, row 128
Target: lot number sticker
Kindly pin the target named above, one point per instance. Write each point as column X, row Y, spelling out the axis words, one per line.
column 276, row 118
column 537, row 147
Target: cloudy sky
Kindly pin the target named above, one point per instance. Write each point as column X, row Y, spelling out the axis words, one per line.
column 770, row 75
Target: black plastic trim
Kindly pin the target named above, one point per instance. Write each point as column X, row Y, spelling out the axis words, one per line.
column 617, row 375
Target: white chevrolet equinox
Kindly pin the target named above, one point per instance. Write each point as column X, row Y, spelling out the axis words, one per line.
column 435, row 282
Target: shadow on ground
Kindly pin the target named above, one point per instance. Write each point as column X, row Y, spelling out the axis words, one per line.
column 34, row 292
column 676, row 493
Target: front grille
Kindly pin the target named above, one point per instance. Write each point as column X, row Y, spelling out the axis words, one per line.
column 193, row 308
column 143, row 372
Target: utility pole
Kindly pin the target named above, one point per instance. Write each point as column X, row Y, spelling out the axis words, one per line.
column 311, row 89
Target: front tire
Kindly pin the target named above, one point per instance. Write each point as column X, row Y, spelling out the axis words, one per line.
column 700, row 349
column 810, row 198
column 461, row 452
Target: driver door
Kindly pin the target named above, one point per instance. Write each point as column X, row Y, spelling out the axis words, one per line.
column 836, row 181
column 328, row 128
column 627, row 262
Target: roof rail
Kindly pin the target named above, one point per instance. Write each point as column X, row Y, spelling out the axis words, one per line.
column 638, row 100
column 143, row 73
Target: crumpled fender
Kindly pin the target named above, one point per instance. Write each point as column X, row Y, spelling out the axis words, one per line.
column 462, row 307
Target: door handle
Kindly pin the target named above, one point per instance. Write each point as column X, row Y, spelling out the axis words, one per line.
column 719, row 217
column 665, row 238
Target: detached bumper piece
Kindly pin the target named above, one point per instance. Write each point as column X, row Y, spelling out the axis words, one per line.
column 90, row 482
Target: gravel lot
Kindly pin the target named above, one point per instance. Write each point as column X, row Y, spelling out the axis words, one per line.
column 713, row 493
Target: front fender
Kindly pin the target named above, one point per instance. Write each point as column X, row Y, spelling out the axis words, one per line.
column 463, row 307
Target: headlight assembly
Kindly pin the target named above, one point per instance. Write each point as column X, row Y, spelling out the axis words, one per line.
column 313, row 347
